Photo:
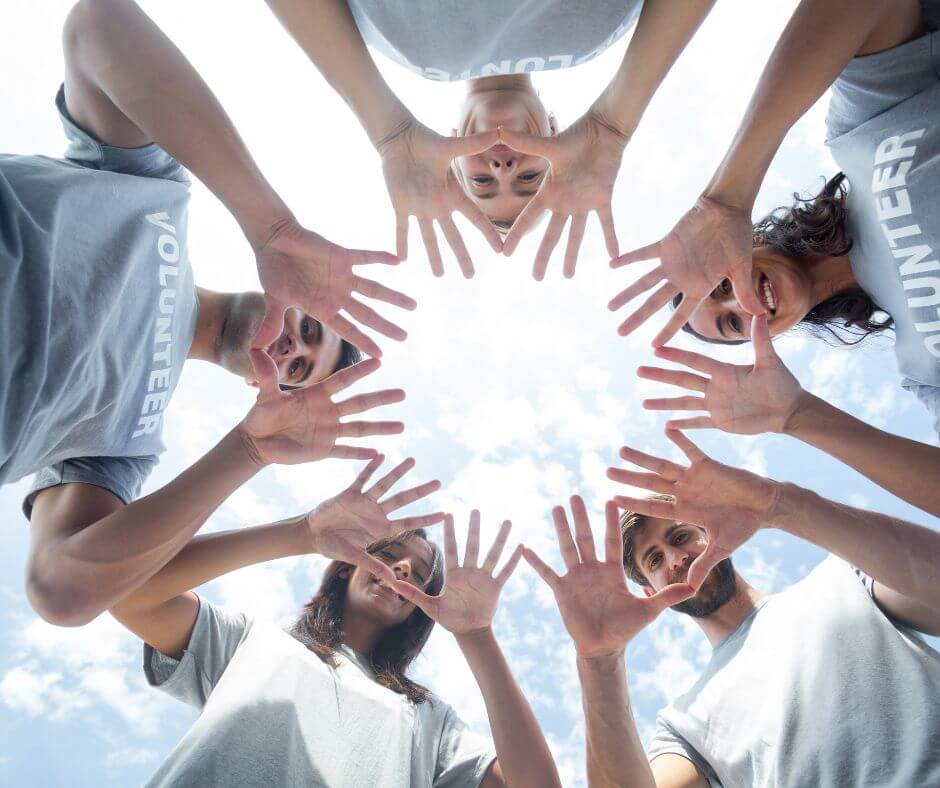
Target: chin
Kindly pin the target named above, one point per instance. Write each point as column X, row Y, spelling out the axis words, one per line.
column 242, row 319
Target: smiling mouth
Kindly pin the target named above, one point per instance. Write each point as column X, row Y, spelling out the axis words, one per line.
column 388, row 590
column 767, row 294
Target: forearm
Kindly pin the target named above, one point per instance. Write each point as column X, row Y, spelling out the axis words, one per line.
column 821, row 37
column 129, row 59
column 615, row 754
column 899, row 465
column 207, row 557
column 523, row 753
column 901, row 555
column 113, row 556
column 662, row 32
column 327, row 32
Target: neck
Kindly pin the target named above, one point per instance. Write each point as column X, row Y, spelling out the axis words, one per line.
column 830, row 276
column 210, row 320
column 726, row 619
column 501, row 82
column 361, row 634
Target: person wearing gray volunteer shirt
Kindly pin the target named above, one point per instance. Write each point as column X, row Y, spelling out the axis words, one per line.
column 505, row 163
column 100, row 314
column 829, row 682
column 329, row 702
column 857, row 259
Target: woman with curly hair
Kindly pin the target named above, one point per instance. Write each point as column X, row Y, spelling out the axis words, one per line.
column 329, row 700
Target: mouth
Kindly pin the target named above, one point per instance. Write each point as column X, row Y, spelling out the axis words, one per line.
column 500, row 148
column 384, row 589
column 767, row 294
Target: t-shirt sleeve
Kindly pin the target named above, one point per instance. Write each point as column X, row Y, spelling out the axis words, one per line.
column 462, row 755
column 668, row 740
column 123, row 476
column 216, row 636
column 149, row 161
column 930, row 397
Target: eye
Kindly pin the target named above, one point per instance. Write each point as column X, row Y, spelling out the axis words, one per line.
column 735, row 323
column 482, row 180
column 680, row 538
column 305, row 327
column 529, row 177
column 654, row 561
column 293, row 368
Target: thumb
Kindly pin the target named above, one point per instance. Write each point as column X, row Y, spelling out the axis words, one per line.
column 703, row 565
column 522, row 142
column 272, row 325
column 473, row 144
column 743, row 285
column 670, row 595
column 416, row 596
column 760, row 337
column 266, row 374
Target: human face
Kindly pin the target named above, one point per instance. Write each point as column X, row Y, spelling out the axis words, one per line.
column 784, row 287
column 501, row 181
column 412, row 560
column 664, row 550
column 305, row 353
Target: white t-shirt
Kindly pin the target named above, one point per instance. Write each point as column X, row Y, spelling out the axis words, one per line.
column 816, row 687
column 274, row 714
column 447, row 40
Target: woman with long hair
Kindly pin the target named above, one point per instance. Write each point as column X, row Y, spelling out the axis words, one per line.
column 496, row 180
column 329, row 701
column 855, row 260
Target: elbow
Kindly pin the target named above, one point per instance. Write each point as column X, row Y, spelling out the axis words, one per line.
column 57, row 601
column 86, row 18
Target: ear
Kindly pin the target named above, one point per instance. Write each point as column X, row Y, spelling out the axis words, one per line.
column 648, row 591
column 553, row 123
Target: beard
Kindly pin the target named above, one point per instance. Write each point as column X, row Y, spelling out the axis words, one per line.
column 243, row 316
column 718, row 589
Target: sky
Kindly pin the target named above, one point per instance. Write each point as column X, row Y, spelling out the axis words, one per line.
column 519, row 393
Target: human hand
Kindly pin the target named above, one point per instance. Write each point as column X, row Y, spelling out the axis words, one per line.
column 729, row 503
column 710, row 243
column 343, row 527
column 421, row 182
column 585, row 159
column 470, row 595
column 746, row 399
column 303, row 425
column 300, row 268
column 597, row 608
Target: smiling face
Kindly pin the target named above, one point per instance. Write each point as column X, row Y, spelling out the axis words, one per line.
column 501, row 181
column 305, row 353
column 367, row 596
column 783, row 286
column 663, row 551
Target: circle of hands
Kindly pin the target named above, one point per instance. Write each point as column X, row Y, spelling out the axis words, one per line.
column 300, row 268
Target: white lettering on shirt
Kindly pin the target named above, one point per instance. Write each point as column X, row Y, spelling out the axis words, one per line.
column 158, row 382
column 894, row 158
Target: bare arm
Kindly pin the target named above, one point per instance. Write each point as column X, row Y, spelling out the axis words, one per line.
column 661, row 34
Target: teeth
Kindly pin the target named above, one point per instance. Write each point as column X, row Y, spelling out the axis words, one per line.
column 769, row 299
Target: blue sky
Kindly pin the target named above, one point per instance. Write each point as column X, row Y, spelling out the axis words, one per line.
column 519, row 393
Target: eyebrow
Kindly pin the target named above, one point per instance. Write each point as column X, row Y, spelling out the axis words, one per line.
column 718, row 326
column 651, row 548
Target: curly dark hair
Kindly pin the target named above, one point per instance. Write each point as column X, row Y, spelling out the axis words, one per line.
column 320, row 625
column 815, row 226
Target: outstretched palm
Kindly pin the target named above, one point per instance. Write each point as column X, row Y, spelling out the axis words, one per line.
column 299, row 267
column 746, row 399
column 343, row 527
column 729, row 503
column 585, row 159
column 598, row 610
column 303, row 425
column 471, row 593
column 710, row 243
column 421, row 182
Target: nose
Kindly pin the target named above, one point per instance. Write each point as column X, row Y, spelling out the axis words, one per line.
column 506, row 163
column 402, row 569
column 678, row 562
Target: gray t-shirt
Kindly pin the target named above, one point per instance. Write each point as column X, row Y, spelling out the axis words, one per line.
column 98, row 308
column 815, row 687
column 273, row 713
column 884, row 132
column 447, row 40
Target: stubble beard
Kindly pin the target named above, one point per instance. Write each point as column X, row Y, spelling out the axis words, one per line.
column 718, row 589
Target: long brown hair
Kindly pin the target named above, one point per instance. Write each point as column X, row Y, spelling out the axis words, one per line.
column 320, row 625
column 811, row 227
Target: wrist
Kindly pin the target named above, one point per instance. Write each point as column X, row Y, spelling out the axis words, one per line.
column 300, row 535
column 802, row 415
column 784, row 514
column 245, row 444
column 475, row 637
column 394, row 123
column 603, row 662
column 604, row 111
